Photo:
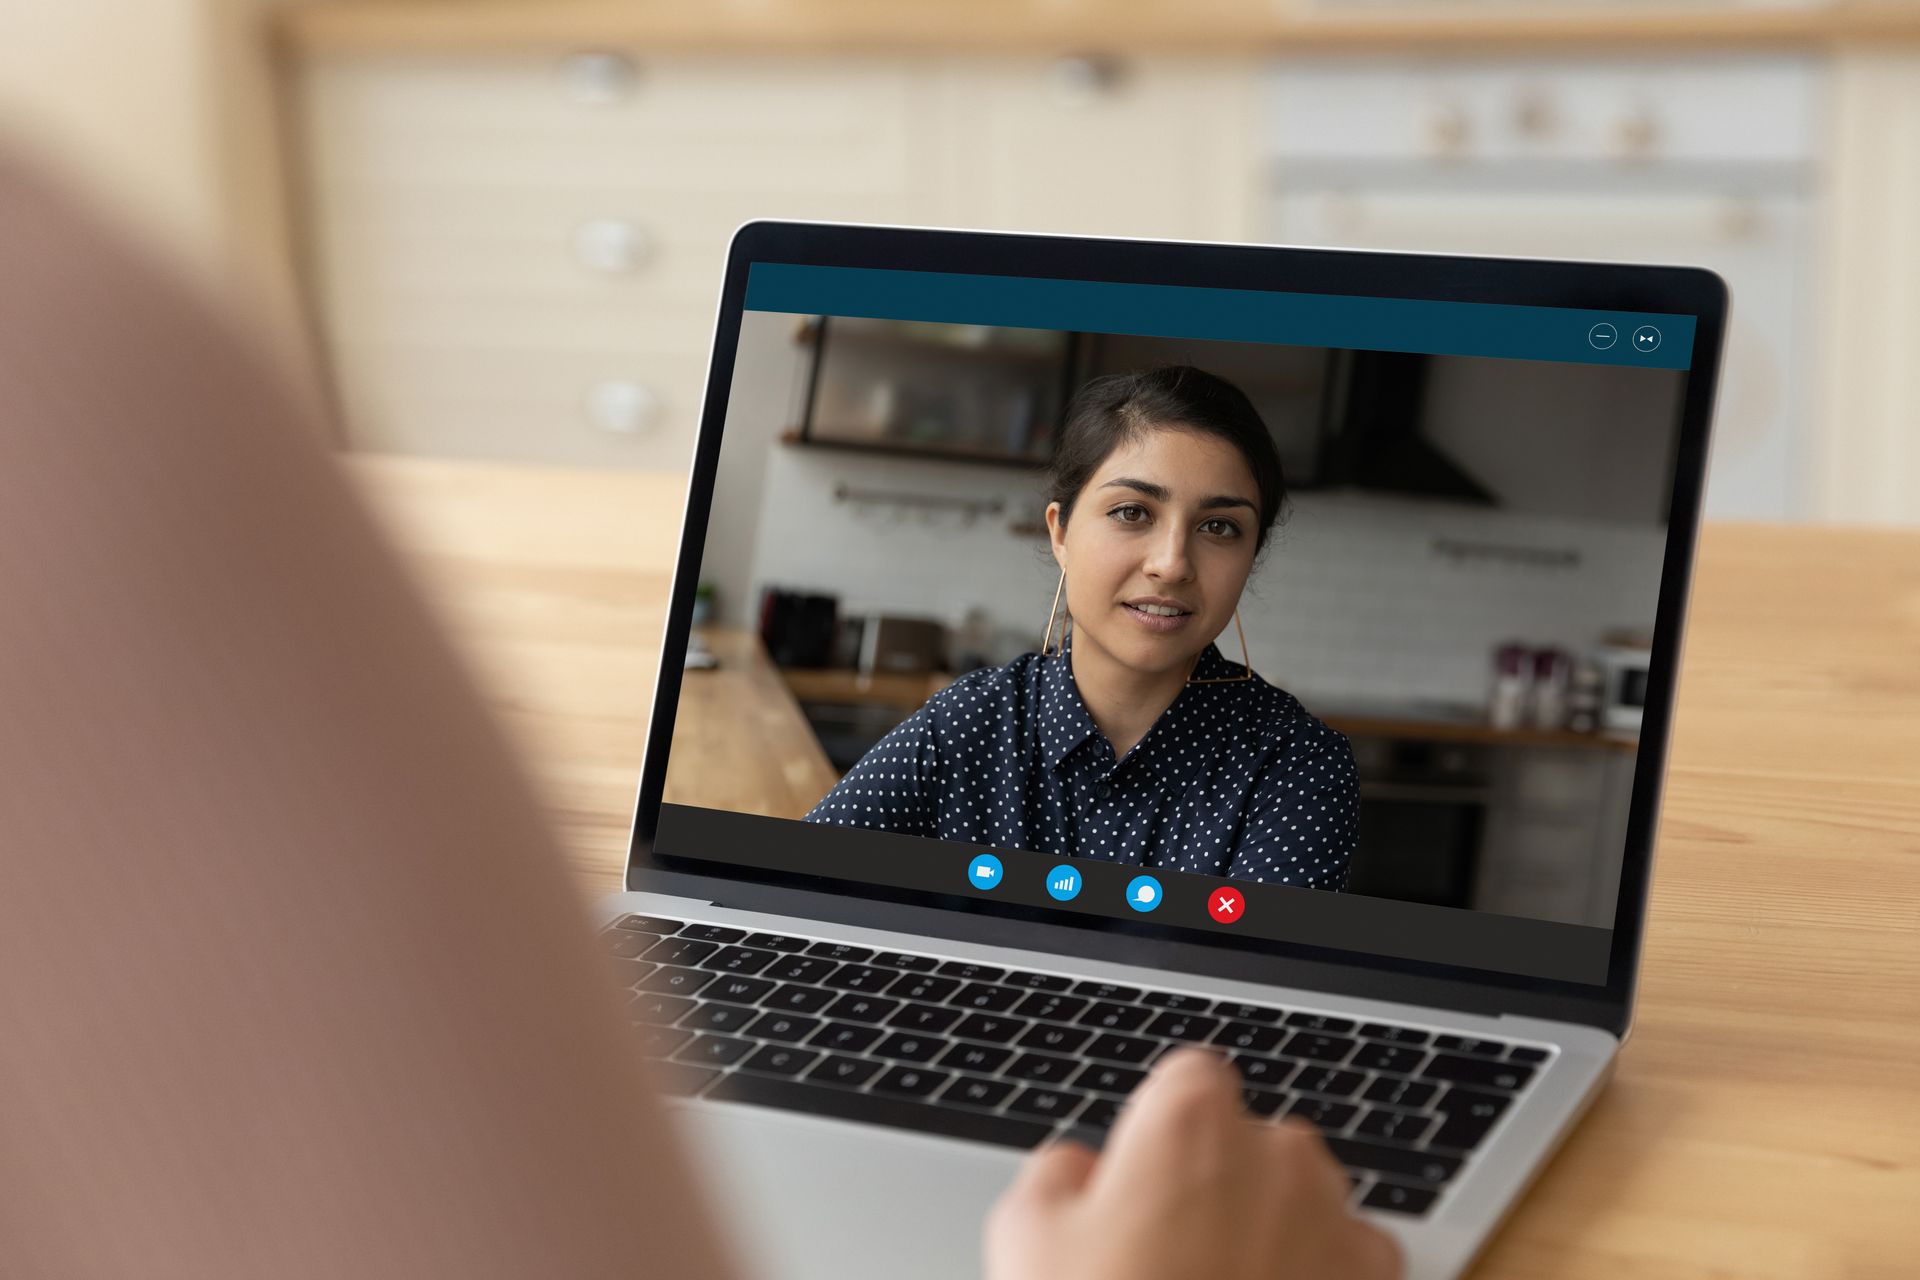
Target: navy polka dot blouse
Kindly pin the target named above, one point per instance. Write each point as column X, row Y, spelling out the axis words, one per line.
column 1233, row 780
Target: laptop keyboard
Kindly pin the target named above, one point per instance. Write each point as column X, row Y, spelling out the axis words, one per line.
column 1013, row 1057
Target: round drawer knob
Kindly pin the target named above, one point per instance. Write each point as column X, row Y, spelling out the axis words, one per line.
column 612, row 246
column 598, row 77
column 623, row 408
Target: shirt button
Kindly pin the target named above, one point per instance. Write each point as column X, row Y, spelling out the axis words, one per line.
column 1104, row 790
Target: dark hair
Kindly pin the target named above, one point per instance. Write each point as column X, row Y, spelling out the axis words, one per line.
column 1117, row 408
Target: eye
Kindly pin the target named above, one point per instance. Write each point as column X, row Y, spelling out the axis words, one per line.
column 1220, row 527
column 1128, row 513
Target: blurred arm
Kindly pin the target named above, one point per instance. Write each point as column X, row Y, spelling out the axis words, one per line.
column 292, row 980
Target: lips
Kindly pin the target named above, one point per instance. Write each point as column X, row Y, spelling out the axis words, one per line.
column 1157, row 613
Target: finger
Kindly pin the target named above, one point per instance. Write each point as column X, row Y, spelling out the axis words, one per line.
column 1055, row 1171
column 1380, row 1256
column 1179, row 1123
column 1302, row 1146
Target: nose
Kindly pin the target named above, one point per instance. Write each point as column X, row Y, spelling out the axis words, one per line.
column 1167, row 558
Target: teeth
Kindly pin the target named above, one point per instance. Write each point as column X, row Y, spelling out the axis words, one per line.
column 1161, row 610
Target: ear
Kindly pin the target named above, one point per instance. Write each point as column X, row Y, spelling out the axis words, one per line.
column 1057, row 534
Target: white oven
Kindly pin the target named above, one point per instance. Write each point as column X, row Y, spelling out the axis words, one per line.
column 1685, row 160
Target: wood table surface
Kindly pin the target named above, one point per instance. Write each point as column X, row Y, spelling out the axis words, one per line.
column 1764, row 1120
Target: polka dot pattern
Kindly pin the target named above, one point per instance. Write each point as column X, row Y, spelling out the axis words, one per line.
column 1234, row 780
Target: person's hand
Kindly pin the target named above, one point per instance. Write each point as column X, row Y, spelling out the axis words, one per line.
column 1187, row 1186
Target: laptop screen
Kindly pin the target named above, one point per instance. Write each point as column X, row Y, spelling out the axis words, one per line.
column 1312, row 619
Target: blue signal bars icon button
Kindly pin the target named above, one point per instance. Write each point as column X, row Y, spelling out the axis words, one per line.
column 1063, row 882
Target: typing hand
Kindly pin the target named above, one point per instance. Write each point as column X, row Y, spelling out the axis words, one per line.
column 1187, row 1186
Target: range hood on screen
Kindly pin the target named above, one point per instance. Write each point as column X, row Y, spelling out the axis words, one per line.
column 1372, row 431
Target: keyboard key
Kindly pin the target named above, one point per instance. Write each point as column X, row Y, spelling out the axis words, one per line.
column 902, row 1047
column 738, row 990
column 1266, row 1073
column 739, row 960
column 788, row 1027
column 1326, row 1114
column 844, row 1037
column 1054, row 1038
column 1391, row 1125
column 1046, row 1104
column 924, row 1018
column 1400, row 1093
column 970, row 972
column 675, row 982
column 798, row 999
column 993, row 1028
column 662, row 1010
column 1042, row 1068
column 713, row 933
column 872, row 1108
column 1101, row 1078
column 839, row 951
column 680, row 951
column 1394, row 1035
column 1177, row 1002
column 901, row 960
column 1036, row 981
column 1262, row 1102
column 719, row 1017
column 1099, row 1114
column 808, row 969
column 1183, row 1026
column 1320, row 1048
column 1247, row 1037
column 1477, row 1072
column 681, row 1079
column 910, row 1082
column 629, row 973
column 861, row 1008
column 1246, row 1012
column 1526, row 1053
column 648, row 924
column 850, row 1073
column 1467, row 1116
column 714, row 1051
column 660, row 1042
column 983, row 1058
column 974, row 1092
column 625, row 946
column 1423, row 1168
column 923, row 986
column 775, row 942
column 1123, row 1049
column 860, row 977
column 1333, row 1082
column 1319, row 1022
column 1399, row 1059
column 779, row 1060
column 1053, row 1008
column 1106, row 991
column 1398, row 1199
column 1469, row 1044
column 1109, row 1016
column 984, row 996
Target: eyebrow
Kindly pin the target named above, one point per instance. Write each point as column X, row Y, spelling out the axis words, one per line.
column 1160, row 493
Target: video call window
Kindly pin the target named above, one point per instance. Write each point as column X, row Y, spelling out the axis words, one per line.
column 1359, row 622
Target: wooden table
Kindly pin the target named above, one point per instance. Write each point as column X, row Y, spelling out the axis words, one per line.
column 1765, row 1119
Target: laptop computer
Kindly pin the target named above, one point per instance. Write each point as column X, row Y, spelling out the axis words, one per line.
column 906, row 897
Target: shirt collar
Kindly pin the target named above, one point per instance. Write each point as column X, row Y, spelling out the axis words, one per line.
column 1068, row 726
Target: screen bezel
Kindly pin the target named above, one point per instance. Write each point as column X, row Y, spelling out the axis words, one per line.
column 1588, row 286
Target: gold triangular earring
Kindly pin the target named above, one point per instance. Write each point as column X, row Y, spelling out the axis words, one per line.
column 1046, row 641
column 1246, row 667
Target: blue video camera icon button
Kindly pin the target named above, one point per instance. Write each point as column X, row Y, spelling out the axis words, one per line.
column 985, row 872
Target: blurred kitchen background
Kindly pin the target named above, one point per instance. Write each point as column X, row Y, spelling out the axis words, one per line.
column 492, row 229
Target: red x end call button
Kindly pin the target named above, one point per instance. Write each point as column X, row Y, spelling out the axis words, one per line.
column 1226, row 905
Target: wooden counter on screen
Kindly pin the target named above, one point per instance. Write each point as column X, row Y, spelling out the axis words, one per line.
column 740, row 741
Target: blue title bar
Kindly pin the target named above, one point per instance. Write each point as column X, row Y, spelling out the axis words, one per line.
column 1563, row 334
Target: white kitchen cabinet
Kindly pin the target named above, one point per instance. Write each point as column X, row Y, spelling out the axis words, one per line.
column 519, row 257
column 1556, row 833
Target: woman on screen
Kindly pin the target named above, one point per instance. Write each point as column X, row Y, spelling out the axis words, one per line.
column 1131, row 738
